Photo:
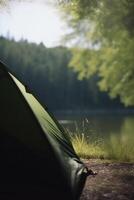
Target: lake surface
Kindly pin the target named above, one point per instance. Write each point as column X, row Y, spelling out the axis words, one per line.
column 114, row 133
column 101, row 125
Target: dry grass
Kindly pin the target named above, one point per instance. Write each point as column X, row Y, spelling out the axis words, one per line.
column 113, row 149
column 87, row 149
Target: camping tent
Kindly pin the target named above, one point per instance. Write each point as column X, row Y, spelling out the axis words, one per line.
column 37, row 159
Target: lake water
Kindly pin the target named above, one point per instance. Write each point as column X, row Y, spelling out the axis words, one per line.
column 102, row 125
column 115, row 131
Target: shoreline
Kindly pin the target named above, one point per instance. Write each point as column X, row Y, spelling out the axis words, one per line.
column 88, row 113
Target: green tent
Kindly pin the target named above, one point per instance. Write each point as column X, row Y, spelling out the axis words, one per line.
column 37, row 157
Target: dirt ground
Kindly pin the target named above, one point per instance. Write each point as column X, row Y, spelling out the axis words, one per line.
column 114, row 181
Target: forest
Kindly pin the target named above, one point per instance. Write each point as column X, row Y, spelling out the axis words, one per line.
column 46, row 72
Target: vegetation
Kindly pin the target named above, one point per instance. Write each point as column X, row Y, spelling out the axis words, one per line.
column 113, row 149
column 104, row 34
column 87, row 149
column 89, row 143
column 45, row 71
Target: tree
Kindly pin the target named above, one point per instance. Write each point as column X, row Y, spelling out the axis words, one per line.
column 104, row 31
column 46, row 73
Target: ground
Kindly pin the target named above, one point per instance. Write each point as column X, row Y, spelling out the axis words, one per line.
column 114, row 181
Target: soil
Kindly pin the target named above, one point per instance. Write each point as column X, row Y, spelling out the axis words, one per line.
column 114, row 181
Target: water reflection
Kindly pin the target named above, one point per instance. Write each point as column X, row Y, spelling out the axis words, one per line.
column 102, row 125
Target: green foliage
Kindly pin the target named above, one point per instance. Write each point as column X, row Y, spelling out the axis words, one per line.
column 45, row 71
column 104, row 32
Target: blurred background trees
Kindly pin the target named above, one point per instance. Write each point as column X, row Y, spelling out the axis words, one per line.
column 46, row 73
column 80, row 77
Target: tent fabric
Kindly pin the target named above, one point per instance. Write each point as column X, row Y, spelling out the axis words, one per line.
column 37, row 157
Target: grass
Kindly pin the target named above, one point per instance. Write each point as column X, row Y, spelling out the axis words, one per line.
column 120, row 148
column 87, row 149
column 114, row 148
